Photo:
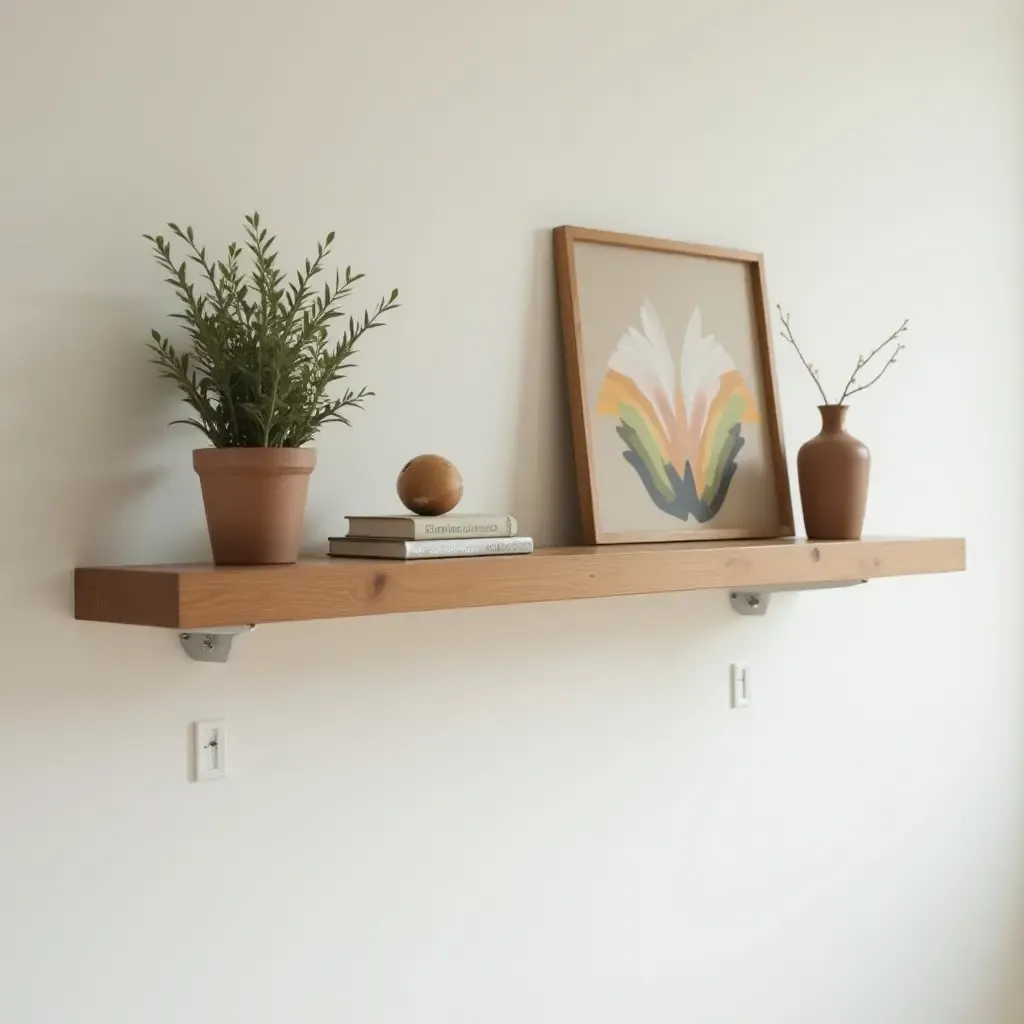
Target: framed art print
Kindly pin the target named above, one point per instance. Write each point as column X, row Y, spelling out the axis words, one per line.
column 674, row 408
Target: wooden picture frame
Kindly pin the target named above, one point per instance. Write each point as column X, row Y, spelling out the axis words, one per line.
column 648, row 468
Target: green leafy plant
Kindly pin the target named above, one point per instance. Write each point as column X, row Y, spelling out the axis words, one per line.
column 260, row 364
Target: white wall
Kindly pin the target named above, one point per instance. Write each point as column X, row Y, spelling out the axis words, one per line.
column 535, row 813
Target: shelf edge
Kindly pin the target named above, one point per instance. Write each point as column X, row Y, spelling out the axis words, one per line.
column 150, row 598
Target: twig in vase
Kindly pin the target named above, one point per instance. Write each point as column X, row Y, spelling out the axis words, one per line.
column 787, row 333
column 853, row 387
column 862, row 362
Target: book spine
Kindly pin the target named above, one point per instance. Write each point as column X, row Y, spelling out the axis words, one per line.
column 458, row 548
column 424, row 528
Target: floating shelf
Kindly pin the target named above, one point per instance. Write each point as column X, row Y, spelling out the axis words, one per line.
column 204, row 597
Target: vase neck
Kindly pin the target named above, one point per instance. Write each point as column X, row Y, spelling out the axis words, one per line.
column 833, row 418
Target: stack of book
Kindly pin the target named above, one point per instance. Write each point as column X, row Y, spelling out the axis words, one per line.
column 408, row 536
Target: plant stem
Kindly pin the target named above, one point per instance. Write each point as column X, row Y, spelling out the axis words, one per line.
column 787, row 333
column 861, row 363
column 864, row 387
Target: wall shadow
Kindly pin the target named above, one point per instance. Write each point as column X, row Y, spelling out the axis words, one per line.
column 544, row 478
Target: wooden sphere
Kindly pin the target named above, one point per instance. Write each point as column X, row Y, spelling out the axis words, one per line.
column 429, row 485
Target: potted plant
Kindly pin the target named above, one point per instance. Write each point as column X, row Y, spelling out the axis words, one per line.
column 257, row 376
column 833, row 467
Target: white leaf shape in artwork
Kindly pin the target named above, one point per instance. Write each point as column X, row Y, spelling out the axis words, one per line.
column 702, row 363
column 644, row 357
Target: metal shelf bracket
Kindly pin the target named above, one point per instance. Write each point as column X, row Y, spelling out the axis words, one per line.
column 211, row 645
column 755, row 600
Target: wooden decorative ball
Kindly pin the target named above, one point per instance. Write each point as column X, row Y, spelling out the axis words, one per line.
column 429, row 485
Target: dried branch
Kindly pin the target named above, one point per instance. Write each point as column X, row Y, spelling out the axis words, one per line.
column 864, row 387
column 787, row 333
column 862, row 362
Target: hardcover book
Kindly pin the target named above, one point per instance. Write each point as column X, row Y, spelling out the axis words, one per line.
column 431, row 527
column 361, row 547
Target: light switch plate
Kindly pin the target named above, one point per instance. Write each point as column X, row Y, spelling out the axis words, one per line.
column 739, row 685
column 209, row 750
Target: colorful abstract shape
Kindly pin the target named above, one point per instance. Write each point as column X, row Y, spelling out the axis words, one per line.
column 682, row 432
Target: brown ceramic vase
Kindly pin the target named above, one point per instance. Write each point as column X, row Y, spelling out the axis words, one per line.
column 255, row 501
column 833, row 470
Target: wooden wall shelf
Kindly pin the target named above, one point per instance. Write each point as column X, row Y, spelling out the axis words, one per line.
column 198, row 597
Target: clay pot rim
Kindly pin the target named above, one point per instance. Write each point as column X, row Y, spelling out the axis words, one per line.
column 263, row 461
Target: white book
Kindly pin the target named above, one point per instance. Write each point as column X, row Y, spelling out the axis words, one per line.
column 358, row 547
column 451, row 527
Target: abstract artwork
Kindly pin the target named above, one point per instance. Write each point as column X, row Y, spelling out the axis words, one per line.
column 680, row 419
column 675, row 424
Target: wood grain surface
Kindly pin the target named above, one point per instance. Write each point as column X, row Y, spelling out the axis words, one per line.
column 193, row 596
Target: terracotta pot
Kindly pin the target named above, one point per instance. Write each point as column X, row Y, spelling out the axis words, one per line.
column 255, row 500
column 833, row 469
